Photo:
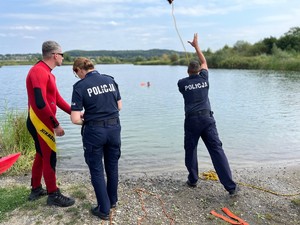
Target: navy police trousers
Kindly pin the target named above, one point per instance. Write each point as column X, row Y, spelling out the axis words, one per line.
column 102, row 141
column 204, row 126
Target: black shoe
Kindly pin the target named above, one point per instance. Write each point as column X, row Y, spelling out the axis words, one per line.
column 36, row 193
column 191, row 184
column 233, row 193
column 95, row 211
column 56, row 198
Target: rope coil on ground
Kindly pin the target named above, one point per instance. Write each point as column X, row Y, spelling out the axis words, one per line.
column 209, row 175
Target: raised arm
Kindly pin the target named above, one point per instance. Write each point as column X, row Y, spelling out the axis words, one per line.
column 201, row 57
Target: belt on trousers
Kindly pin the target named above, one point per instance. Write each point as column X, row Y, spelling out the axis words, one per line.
column 204, row 112
column 113, row 121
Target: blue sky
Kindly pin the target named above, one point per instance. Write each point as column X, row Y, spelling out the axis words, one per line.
column 141, row 24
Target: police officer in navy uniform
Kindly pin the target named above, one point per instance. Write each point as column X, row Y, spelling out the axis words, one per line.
column 99, row 96
column 199, row 122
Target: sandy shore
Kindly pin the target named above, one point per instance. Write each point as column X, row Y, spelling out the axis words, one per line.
column 165, row 199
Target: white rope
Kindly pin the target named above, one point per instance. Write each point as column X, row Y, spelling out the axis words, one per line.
column 187, row 57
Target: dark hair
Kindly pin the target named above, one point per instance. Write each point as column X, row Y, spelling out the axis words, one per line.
column 194, row 67
column 82, row 63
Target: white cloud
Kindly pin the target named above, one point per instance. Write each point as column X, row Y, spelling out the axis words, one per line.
column 264, row 2
column 91, row 2
column 202, row 10
column 144, row 24
column 26, row 16
column 8, row 35
column 28, row 28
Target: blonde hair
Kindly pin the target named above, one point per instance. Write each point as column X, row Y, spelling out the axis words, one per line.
column 83, row 64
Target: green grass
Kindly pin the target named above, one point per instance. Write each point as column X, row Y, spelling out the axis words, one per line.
column 12, row 198
column 16, row 198
column 14, row 137
column 296, row 202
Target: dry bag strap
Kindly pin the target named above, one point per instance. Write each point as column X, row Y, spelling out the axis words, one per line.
column 237, row 221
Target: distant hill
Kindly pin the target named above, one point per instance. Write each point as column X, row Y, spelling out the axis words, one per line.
column 268, row 54
column 123, row 53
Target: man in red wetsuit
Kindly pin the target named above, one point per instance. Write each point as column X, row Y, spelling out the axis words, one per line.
column 43, row 98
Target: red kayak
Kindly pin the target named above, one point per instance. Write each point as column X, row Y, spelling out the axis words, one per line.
column 7, row 161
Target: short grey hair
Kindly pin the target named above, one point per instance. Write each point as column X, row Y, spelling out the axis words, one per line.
column 194, row 67
column 50, row 47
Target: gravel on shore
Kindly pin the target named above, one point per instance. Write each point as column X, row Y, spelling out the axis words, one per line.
column 266, row 197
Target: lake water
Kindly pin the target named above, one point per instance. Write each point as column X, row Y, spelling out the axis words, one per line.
column 257, row 114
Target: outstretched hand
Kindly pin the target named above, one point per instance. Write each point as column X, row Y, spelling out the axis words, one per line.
column 194, row 43
column 200, row 55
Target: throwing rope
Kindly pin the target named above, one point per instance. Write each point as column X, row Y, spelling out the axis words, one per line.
column 175, row 24
column 212, row 175
column 268, row 191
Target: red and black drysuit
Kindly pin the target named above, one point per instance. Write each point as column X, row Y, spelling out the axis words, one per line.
column 43, row 97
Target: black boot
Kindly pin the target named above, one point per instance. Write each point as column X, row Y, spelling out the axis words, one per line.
column 58, row 199
column 96, row 212
column 36, row 193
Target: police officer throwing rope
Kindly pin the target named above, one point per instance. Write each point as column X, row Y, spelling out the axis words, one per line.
column 199, row 122
column 99, row 96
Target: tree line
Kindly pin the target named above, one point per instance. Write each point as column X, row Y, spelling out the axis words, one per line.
column 270, row 54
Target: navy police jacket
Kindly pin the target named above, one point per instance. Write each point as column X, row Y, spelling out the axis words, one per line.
column 194, row 89
column 97, row 94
